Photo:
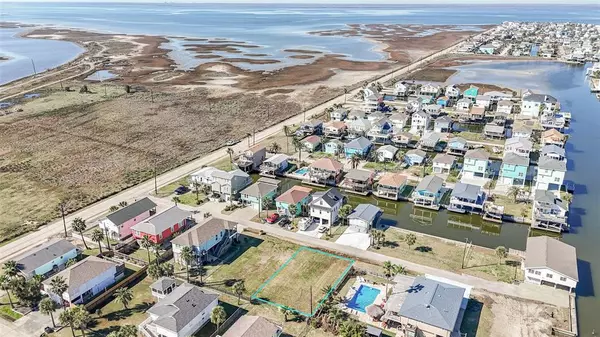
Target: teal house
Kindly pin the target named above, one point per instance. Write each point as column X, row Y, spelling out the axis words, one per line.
column 360, row 146
column 471, row 93
column 514, row 169
column 334, row 147
column 46, row 259
column 298, row 196
column 255, row 194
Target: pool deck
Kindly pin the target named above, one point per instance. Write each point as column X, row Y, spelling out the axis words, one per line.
column 379, row 300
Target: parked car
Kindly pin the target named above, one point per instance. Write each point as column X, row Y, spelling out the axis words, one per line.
column 322, row 229
column 284, row 222
column 230, row 142
column 181, row 190
column 273, row 218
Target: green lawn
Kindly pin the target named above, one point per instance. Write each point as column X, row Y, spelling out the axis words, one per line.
column 387, row 166
column 6, row 311
column 517, row 209
column 223, row 164
column 190, row 198
column 168, row 189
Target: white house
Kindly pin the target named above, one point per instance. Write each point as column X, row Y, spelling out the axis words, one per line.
column 443, row 163
column 181, row 313
column 497, row 96
column 257, row 326
column 339, row 114
column 534, row 104
column 203, row 176
column 484, row 101
column 521, row 131
column 163, row 287
column 400, row 88
column 553, row 151
column 208, row 239
column 505, row 106
column 413, row 105
column 386, row 153
column 364, row 217
column 464, row 104
column 452, row 91
column 399, row 121
column 430, row 89
column 118, row 224
column 325, row 206
column 419, row 122
column 519, row 146
column 551, row 262
column 432, row 109
column 229, row 184
column 359, row 127
column 550, row 174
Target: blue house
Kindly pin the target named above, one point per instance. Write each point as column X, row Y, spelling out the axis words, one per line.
column 428, row 192
column 415, row 157
column 334, row 147
column 442, row 101
column 471, row 93
column 47, row 258
column 457, row 146
column 360, row 146
column 255, row 194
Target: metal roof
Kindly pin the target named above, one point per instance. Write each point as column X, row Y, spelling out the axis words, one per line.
column 511, row 158
column 204, row 231
column 479, row 154
column 546, row 252
column 161, row 221
column 548, row 163
column 331, row 197
column 360, row 175
column 42, row 254
column 358, row 143
column 367, row 212
column 131, row 211
column 466, row 191
column 430, row 183
column 551, row 148
column 163, row 283
column 252, row 326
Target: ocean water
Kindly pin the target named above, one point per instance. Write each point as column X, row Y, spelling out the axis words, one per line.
column 274, row 27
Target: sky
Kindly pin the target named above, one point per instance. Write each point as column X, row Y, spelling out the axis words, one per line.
column 570, row 2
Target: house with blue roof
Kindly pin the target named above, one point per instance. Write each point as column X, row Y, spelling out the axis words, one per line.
column 457, row 146
column 471, row 93
column 364, row 217
column 442, row 101
column 428, row 192
column 360, row 146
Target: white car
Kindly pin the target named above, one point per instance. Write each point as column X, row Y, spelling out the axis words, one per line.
column 322, row 229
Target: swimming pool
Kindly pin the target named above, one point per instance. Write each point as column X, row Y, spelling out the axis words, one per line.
column 363, row 297
column 302, row 171
column 389, row 97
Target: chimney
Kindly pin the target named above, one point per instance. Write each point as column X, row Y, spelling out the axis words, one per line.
column 545, row 98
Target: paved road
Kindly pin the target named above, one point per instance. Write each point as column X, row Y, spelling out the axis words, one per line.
column 11, row 249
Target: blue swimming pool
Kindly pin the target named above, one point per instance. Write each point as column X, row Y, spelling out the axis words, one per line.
column 302, row 171
column 363, row 297
column 389, row 97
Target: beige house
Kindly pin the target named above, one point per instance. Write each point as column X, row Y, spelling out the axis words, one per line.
column 253, row 326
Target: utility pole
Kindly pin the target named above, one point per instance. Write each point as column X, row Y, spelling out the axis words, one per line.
column 464, row 254
column 345, row 93
column 33, row 66
column 62, row 213
column 106, row 236
column 155, row 185
column 311, row 304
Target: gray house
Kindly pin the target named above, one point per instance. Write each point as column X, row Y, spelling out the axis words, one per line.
column 253, row 326
column 252, row 158
column 163, row 287
column 364, row 217
column 47, row 258
column 467, row 198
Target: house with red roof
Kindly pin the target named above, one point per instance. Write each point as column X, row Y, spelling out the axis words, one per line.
column 298, row 196
column 162, row 226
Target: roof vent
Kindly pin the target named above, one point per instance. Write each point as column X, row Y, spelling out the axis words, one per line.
column 428, row 306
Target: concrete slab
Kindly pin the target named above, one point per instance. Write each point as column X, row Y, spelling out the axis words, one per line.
column 311, row 231
column 354, row 239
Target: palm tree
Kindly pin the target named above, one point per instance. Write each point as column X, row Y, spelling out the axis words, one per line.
column 81, row 318
column 238, row 288
column 352, row 329
column 230, row 153
column 70, row 262
column 67, row 318
column 113, row 208
column 124, row 296
column 287, row 132
column 176, row 200
column 513, row 192
column 355, row 160
column 410, row 239
column 156, row 248
column 98, row 236
column 79, row 226
column 128, row 331
column 146, row 243
column 297, row 143
column 218, row 316
column 292, row 209
column 6, row 285
column 501, row 253
column 275, row 148
column 390, row 270
column 375, row 237
column 187, row 255
column 568, row 198
column 48, row 307
column 344, row 212
column 10, row 268
column 285, row 311
column 266, row 203
column 58, row 286
column 197, row 186
column 335, row 316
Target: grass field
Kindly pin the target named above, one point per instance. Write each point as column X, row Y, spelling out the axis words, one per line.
column 307, row 270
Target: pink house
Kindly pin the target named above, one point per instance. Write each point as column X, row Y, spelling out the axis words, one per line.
column 118, row 224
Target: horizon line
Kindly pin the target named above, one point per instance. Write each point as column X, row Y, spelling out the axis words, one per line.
column 326, row 2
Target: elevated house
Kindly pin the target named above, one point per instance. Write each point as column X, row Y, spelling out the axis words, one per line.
column 442, row 101
column 476, row 164
column 419, row 122
column 313, row 127
column 471, row 93
column 181, row 313
column 163, row 287
column 430, row 90
column 505, row 106
column 534, row 105
column 467, row 198
column 325, row 171
column 413, row 105
column 404, row 139
column 497, row 96
column 335, row 129
column 399, row 121
column 46, row 259
column 391, row 185
column 325, row 206
column 452, row 91
column 255, row 194
column 356, row 114
column 477, row 113
column 518, row 146
column 227, row 185
column 334, row 147
column 117, row 225
column 299, row 196
column 381, row 131
column 359, row 146
column 338, row 114
column 464, row 104
column 375, row 116
column 443, row 124
column 553, row 137
column 359, row 181
column 553, row 151
column 208, row 240
column 276, row 165
column 550, row 174
column 251, row 159
column 311, row 143
column 551, row 262
column 162, row 226
column 364, row 217
column 203, row 176
column 358, row 128
column 443, row 163
column 432, row 109
column 386, row 153
column 415, row 157
column 483, row 101
column 253, row 326
column 428, row 192
column 549, row 212
column 514, row 169
column 457, row 146
column 401, row 88
column 85, row 279
column 430, row 141
column 521, row 131
column 494, row 131
column 371, row 97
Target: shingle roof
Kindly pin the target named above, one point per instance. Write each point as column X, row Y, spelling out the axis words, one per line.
column 82, row 272
column 398, row 117
column 312, row 139
column 546, row 252
column 42, row 254
column 252, row 326
column 417, row 152
column 163, row 283
column 540, row 98
column 388, row 148
column 493, row 128
column 131, row 211
column 161, row 221
column 358, row 143
column 548, row 163
column 365, row 212
column 204, row 231
column 331, row 197
column 433, row 303
column 360, row 175
column 393, row 179
column 511, row 158
column 180, row 307
column 443, row 120
column 294, row 195
column 480, row 154
column 548, row 197
column 327, row 164
column 443, row 158
column 277, row 159
column 459, row 140
column 259, row 189
column 553, row 133
column 467, row 191
column 549, row 149
column 430, row 183
column 522, row 142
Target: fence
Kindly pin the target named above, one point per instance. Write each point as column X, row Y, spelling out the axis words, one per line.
column 229, row 322
column 96, row 302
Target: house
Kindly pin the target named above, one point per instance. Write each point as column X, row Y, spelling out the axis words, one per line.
column 553, row 151
column 404, row 139
column 364, row 217
column 85, row 279
column 452, row 91
column 549, row 212
column 428, row 192
column 505, row 106
column 430, row 90
column 380, row 132
column 550, row 174
column 359, row 146
column 181, row 313
column 162, row 287
column 359, row 181
column 335, row 129
column 494, row 131
column 514, row 169
column 358, row 127
column 432, row 109
column 311, row 143
column 521, row 131
column 553, row 137
column 208, row 240
column 464, row 104
column 425, row 99
column 518, row 146
column 487, row 49
column 203, row 176
column 334, row 147
column 255, row 194
column 442, row 101
column 325, row 171
column 471, row 93
column 443, row 124
column 313, row 127
column 46, row 259
column 390, row 185
column 400, row 88
column 276, row 165
column 477, row 113
column 251, row 159
column 118, row 224
column 431, row 309
column 253, row 326
column 497, row 96
column 415, row 157
column 227, row 185
column 429, row 141
column 386, row 153
column 299, row 196
column 549, row 261
column 467, row 198
column 325, row 206
column 419, row 122
column 372, row 94
column 476, row 164
column 443, row 163
column 163, row 225
column 338, row 114
column 355, row 114
column 413, row 105
column 399, row 121
column 457, row 146
column 483, row 101
column 534, row 105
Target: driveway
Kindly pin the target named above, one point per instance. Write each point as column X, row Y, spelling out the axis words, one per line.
column 311, row 231
column 354, row 239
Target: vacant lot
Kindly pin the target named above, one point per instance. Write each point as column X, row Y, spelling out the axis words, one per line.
column 90, row 148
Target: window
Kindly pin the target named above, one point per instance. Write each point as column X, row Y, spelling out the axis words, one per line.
column 537, row 272
column 548, row 275
column 520, row 174
column 530, row 271
column 563, row 279
column 557, row 179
